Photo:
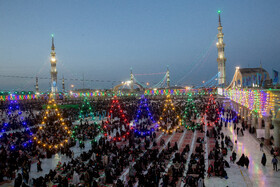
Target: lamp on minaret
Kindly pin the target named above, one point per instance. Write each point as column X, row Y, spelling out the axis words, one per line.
column 37, row 86
column 168, row 77
column 221, row 54
column 131, row 79
column 53, row 69
column 63, row 85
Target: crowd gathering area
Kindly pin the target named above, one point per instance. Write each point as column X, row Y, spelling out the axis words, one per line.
column 118, row 141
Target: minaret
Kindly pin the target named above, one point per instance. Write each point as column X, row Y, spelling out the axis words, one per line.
column 37, row 86
column 63, row 85
column 131, row 80
column 221, row 54
column 168, row 77
column 53, row 69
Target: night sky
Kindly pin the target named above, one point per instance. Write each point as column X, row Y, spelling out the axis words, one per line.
column 103, row 39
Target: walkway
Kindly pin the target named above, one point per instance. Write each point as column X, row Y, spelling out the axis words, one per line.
column 256, row 174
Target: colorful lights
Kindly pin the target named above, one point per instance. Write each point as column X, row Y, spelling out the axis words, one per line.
column 86, row 109
column 115, row 111
column 190, row 109
column 52, row 112
column 143, row 111
column 169, row 115
column 259, row 102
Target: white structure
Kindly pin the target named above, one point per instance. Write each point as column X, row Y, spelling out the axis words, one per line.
column 221, row 54
column 53, row 69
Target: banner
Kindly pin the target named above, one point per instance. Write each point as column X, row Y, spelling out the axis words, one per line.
column 264, row 79
column 275, row 77
column 259, row 78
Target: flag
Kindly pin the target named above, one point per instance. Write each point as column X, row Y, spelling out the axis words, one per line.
column 264, row 78
column 249, row 81
column 275, row 77
column 253, row 79
column 259, row 78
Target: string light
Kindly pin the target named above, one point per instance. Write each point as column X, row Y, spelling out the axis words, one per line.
column 115, row 105
column 169, row 108
column 52, row 106
column 143, row 107
column 190, row 107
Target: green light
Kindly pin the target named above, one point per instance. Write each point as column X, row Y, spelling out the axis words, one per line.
column 52, row 35
column 219, row 11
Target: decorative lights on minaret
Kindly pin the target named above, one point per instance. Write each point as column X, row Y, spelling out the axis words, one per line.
column 221, row 54
column 131, row 80
column 53, row 69
column 168, row 77
column 63, row 85
column 37, row 86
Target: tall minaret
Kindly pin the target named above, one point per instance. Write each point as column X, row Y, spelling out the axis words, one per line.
column 63, row 85
column 221, row 54
column 131, row 80
column 168, row 77
column 53, row 69
column 37, row 85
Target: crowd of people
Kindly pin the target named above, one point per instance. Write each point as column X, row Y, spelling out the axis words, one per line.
column 125, row 146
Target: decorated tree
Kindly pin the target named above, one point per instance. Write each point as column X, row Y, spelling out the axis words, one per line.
column 169, row 120
column 53, row 132
column 86, row 110
column 143, row 119
column 116, row 120
column 212, row 110
column 15, row 120
column 190, row 112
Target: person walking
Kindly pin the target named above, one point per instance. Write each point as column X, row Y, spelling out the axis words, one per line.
column 261, row 146
column 247, row 162
column 233, row 156
column 274, row 162
column 263, row 159
column 39, row 167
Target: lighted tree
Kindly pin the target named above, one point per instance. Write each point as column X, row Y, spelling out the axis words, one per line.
column 189, row 112
column 116, row 111
column 86, row 110
column 169, row 120
column 143, row 112
column 54, row 133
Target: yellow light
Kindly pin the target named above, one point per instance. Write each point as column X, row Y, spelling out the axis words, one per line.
column 41, row 127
